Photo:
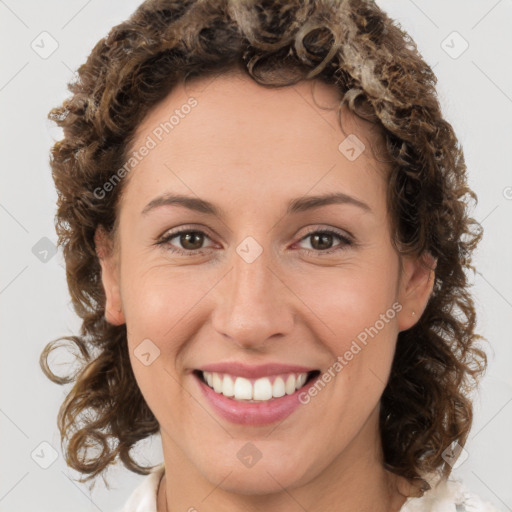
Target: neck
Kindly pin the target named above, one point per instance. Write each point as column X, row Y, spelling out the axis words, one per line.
column 355, row 480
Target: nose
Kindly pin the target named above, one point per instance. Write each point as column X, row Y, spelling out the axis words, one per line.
column 253, row 303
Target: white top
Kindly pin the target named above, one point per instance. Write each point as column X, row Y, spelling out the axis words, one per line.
column 448, row 496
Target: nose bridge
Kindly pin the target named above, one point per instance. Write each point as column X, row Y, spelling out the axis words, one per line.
column 252, row 302
column 252, row 278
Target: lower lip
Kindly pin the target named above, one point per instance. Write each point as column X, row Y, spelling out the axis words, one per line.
column 253, row 413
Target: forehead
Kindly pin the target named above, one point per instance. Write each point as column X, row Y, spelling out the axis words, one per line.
column 213, row 132
column 234, row 100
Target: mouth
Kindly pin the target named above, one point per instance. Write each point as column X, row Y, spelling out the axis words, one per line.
column 265, row 389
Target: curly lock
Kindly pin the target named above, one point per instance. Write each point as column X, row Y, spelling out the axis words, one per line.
column 382, row 78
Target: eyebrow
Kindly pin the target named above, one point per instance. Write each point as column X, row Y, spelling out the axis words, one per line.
column 297, row 205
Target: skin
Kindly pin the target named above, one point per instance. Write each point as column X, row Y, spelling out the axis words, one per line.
column 249, row 150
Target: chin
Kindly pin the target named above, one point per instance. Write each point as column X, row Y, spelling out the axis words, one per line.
column 263, row 478
column 253, row 484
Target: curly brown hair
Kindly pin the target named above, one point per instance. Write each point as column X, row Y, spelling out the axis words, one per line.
column 382, row 78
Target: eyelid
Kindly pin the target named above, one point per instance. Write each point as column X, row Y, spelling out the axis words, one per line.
column 339, row 232
column 173, row 232
column 346, row 238
column 347, row 241
column 186, row 227
column 309, row 230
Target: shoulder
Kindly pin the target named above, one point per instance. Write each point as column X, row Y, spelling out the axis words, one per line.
column 143, row 498
column 448, row 496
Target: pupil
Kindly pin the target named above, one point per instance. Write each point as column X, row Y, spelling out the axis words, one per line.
column 323, row 238
column 186, row 240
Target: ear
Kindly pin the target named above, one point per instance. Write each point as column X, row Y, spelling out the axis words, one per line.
column 416, row 285
column 109, row 276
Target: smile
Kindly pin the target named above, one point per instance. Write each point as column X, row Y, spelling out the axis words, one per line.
column 254, row 402
column 256, row 390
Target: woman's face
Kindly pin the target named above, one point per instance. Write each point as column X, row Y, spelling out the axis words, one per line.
column 259, row 282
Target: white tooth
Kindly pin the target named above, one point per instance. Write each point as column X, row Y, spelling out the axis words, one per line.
column 243, row 389
column 278, row 388
column 301, row 380
column 262, row 389
column 217, row 382
column 290, row 384
column 228, row 386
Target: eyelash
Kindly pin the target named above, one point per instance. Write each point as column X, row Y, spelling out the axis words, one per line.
column 168, row 237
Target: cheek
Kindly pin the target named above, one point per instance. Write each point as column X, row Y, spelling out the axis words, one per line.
column 360, row 321
column 356, row 316
column 348, row 301
column 151, row 309
column 156, row 314
column 154, row 302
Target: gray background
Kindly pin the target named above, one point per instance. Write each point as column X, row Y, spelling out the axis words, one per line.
column 475, row 89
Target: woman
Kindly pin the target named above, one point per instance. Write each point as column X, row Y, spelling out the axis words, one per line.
column 265, row 223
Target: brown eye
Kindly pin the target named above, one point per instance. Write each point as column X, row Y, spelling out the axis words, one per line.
column 322, row 242
column 189, row 242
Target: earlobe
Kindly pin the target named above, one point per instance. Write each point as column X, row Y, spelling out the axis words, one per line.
column 418, row 277
column 109, row 276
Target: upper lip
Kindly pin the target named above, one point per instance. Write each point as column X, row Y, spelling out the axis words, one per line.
column 254, row 372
